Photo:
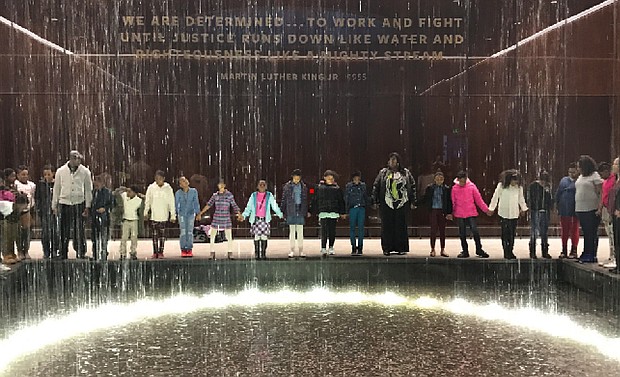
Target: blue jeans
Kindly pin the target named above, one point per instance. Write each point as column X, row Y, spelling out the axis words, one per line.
column 539, row 226
column 356, row 220
column 186, row 239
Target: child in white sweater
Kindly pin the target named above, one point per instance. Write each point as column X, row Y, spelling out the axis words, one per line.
column 510, row 202
column 159, row 209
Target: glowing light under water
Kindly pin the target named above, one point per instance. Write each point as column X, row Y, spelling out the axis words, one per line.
column 57, row 329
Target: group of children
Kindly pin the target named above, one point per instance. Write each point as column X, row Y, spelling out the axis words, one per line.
column 21, row 198
column 583, row 197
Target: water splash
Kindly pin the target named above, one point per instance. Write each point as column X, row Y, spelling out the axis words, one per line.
column 61, row 328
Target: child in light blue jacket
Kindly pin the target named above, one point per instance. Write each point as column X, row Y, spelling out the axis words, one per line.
column 258, row 209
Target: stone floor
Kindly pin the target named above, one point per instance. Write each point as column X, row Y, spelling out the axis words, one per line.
column 279, row 248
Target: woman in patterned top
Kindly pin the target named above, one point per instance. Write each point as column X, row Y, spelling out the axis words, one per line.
column 223, row 200
column 394, row 192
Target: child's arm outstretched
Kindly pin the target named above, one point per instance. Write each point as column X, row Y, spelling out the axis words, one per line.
column 480, row 203
column 522, row 205
column 206, row 208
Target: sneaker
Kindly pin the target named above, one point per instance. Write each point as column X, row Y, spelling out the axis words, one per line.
column 587, row 259
column 189, row 253
column 154, row 256
column 323, row 252
column 160, row 256
column 4, row 268
column 183, row 253
column 359, row 251
column 610, row 265
column 353, row 250
column 302, row 254
column 483, row 254
column 331, row 251
column 291, row 254
column 463, row 254
column 563, row 256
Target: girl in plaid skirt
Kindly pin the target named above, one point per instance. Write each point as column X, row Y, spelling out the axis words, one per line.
column 258, row 209
column 223, row 201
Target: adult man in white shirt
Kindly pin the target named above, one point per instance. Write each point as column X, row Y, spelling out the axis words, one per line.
column 71, row 200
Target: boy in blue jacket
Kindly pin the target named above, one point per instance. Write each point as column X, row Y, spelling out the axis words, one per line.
column 356, row 198
column 102, row 204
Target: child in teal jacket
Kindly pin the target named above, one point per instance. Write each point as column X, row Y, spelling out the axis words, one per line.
column 258, row 209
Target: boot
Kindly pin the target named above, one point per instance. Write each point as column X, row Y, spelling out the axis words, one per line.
column 564, row 253
column 10, row 259
column 480, row 253
column 533, row 251
column 263, row 249
column 545, row 252
column 509, row 255
column 256, row 249
column 573, row 252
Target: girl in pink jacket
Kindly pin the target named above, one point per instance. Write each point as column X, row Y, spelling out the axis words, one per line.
column 466, row 200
